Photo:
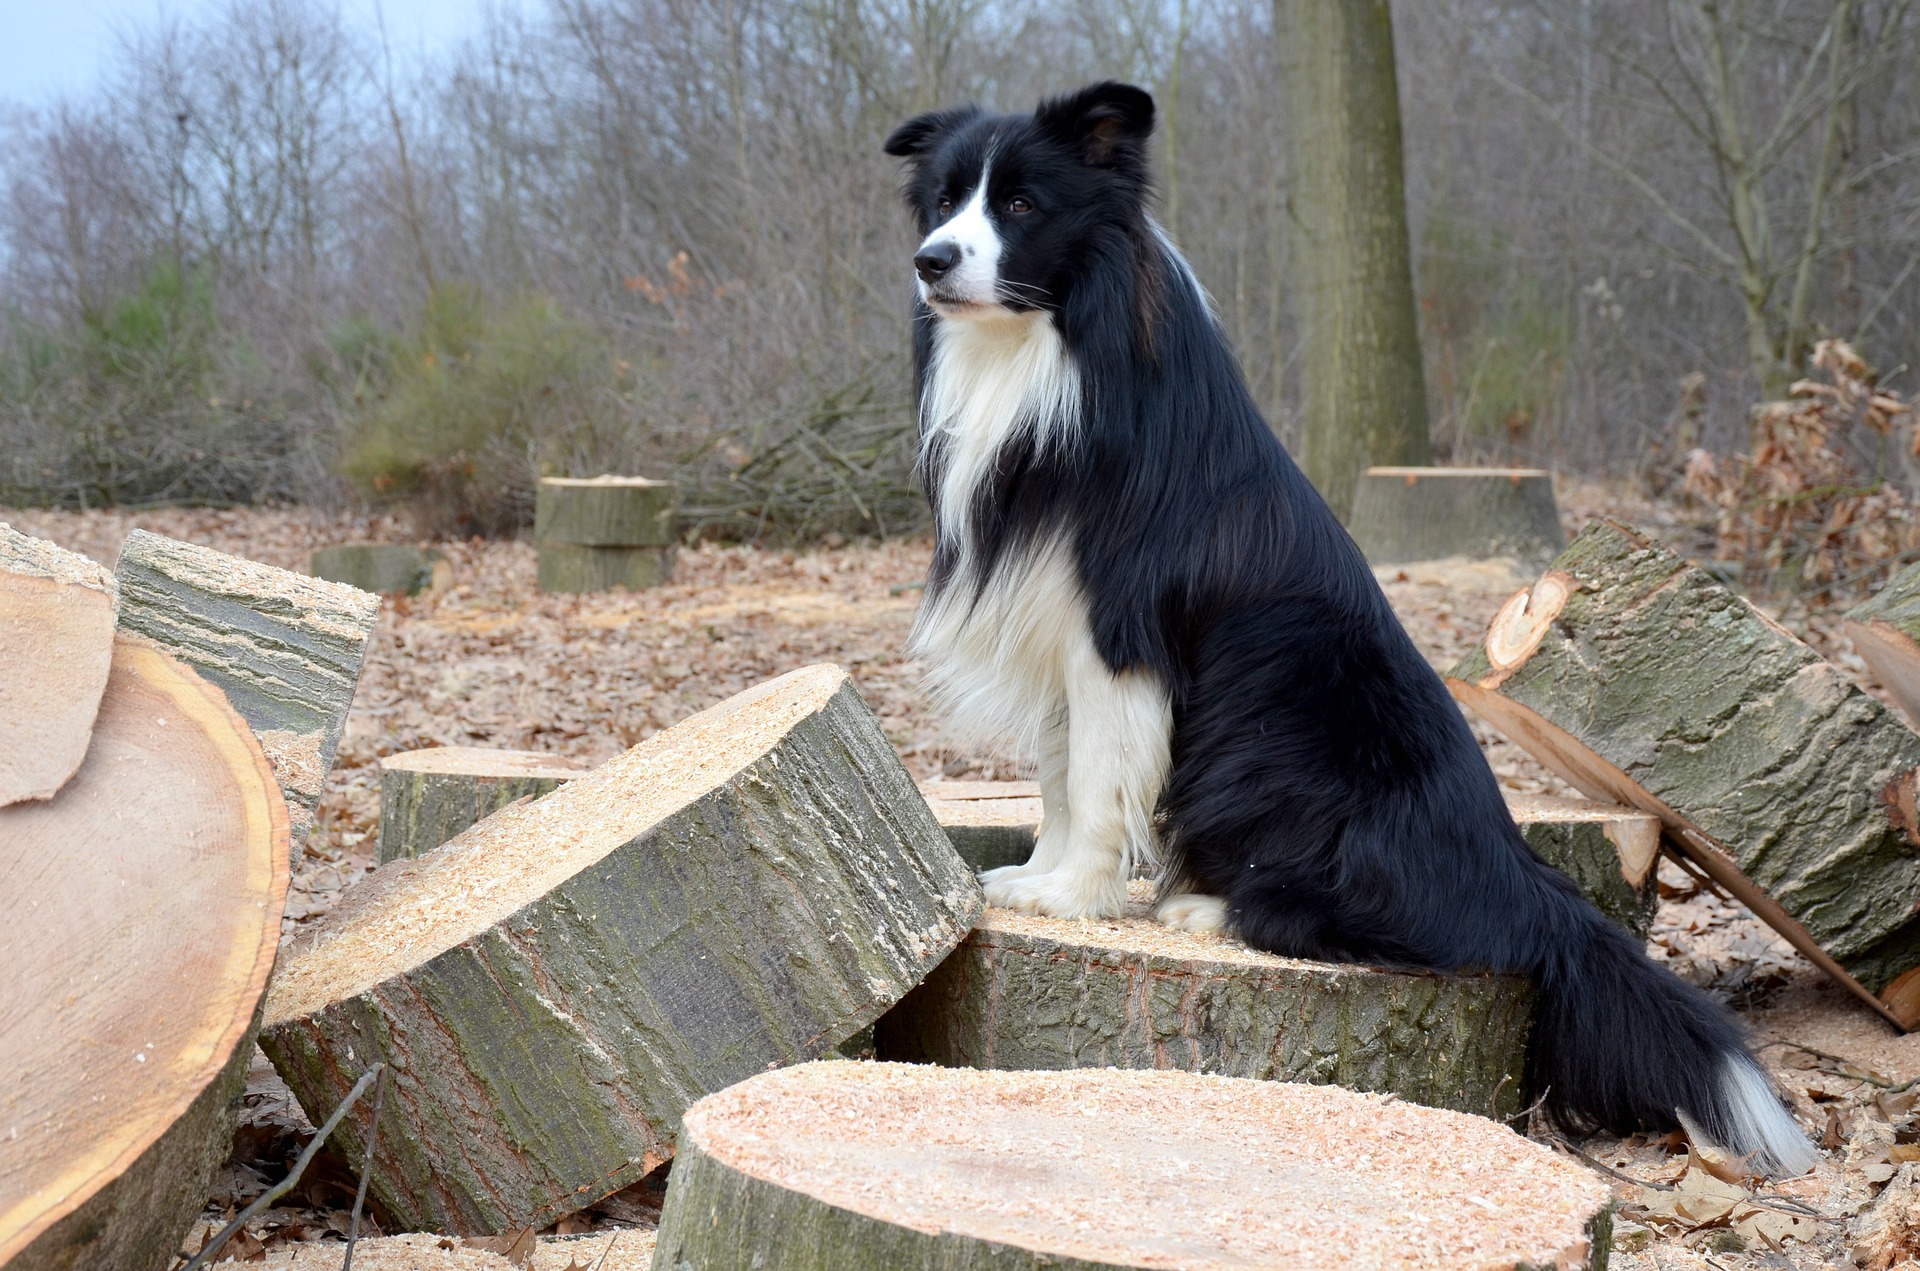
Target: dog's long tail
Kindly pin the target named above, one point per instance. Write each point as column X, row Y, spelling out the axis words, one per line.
column 1622, row 1044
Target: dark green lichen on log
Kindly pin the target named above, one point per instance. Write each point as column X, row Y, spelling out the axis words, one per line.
column 1026, row 993
column 1640, row 679
column 285, row 648
column 747, row 889
column 432, row 795
column 874, row 1167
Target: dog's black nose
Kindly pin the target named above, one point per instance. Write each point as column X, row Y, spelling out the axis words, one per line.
column 933, row 263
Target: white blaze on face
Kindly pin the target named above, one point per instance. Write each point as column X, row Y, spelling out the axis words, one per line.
column 976, row 279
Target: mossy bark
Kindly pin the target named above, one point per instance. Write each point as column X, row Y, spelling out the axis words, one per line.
column 573, row 569
column 606, row 512
column 379, row 567
column 428, row 797
column 1609, row 851
column 1886, row 631
column 1009, row 999
column 545, row 1062
column 1414, row 514
column 286, row 649
column 1644, row 681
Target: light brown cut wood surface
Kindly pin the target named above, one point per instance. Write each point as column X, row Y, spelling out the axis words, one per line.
column 143, row 913
column 56, row 634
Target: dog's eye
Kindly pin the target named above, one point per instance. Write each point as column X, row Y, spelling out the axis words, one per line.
column 1017, row 205
column 944, row 207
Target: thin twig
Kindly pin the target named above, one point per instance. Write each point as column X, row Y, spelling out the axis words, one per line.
column 1607, row 1169
column 366, row 1167
column 287, row 1184
column 601, row 1261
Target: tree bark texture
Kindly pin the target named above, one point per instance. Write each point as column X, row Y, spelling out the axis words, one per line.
column 286, row 649
column 1415, row 514
column 383, row 567
column 56, row 628
column 573, row 569
column 1640, row 679
column 606, row 511
column 144, row 916
column 733, row 895
column 1364, row 392
column 430, row 796
column 875, row 1167
column 1885, row 630
column 1038, row 993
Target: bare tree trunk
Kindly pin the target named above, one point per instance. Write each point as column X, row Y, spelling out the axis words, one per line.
column 1364, row 392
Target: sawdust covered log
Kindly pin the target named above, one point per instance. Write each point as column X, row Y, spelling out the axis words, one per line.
column 746, row 889
column 1045, row 993
column 990, row 823
column 56, row 627
column 1402, row 515
column 871, row 1167
column 285, row 648
column 1640, row 679
column 1886, row 631
column 383, row 567
column 143, row 915
column 429, row 796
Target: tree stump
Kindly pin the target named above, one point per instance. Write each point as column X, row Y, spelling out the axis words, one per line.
column 1046, row 993
column 1412, row 514
column 1640, row 679
column 143, row 915
column 383, row 567
column 746, row 889
column 1607, row 849
column 429, row 796
column 285, row 648
column 56, row 626
column 871, row 1167
column 1886, row 632
column 598, row 533
column 990, row 823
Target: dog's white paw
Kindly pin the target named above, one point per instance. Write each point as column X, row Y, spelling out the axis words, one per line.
column 1056, row 894
column 1191, row 911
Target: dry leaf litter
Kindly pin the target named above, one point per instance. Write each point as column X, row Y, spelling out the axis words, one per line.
column 491, row 661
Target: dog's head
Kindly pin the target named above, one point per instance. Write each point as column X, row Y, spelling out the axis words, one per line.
column 1012, row 208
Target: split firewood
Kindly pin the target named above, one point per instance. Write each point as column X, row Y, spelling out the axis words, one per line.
column 1609, row 850
column 429, row 796
column 1886, row 632
column 142, row 915
column 285, row 648
column 1047, row 993
column 552, row 988
column 1640, row 679
column 56, row 626
column 1403, row 515
column 869, row 1167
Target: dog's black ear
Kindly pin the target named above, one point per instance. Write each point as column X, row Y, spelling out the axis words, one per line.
column 918, row 135
column 1105, row 122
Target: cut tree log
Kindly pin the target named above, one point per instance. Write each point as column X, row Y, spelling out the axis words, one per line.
column 142, row 916
column 749, row 888
column 430, row 796
column 1044, row 993
column 383, row 567
column 606, row 511
column 1608, row 849
column 56, row 626
column 571, row 569
column 872, row 1167
column 1885, row 630
column 1401, row 515
column 1640, row 679
column 286, row 649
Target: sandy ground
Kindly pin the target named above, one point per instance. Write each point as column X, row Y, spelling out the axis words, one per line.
column 493, row 662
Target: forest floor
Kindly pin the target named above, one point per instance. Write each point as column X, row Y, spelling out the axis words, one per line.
column 491, row 661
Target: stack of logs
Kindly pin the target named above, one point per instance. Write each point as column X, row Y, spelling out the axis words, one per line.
column 599, row 533
column 573, row 977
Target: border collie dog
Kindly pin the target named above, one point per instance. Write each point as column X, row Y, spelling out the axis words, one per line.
column 1134, row 588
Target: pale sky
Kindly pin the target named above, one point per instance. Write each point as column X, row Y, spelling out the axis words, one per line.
column 54, row 47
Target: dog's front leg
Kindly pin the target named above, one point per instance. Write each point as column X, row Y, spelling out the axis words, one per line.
column 1116, row 741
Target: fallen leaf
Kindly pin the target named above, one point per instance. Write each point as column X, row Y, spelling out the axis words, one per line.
column 515, row 1246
